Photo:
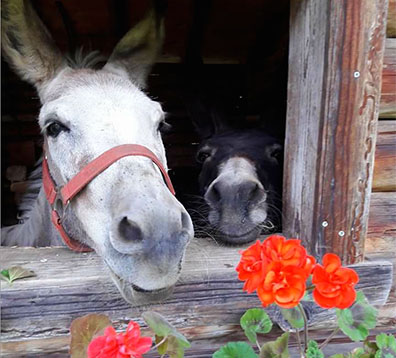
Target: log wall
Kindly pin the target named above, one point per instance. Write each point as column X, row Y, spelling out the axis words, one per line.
column 381, row 233
column 391, row 26
column 388, row 91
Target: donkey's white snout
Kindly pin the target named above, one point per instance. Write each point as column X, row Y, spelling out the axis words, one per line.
column 134, row 231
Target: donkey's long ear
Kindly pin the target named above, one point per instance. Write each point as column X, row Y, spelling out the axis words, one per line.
column 139, row 48
column 26, row 43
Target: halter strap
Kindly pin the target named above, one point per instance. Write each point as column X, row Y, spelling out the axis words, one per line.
column 60, row 197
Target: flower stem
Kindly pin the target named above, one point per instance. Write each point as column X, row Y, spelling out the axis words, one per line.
column 258, row 345
column 329, row 338
column 299, row 343
column 158, row 344
column 301, row 309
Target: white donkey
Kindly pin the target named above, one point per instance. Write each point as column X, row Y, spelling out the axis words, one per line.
column 126, row 213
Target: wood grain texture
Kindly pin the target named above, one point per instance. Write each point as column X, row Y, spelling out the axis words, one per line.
column 391, row 23
column 384, row 178
column 388, row 90
column 335, row 67
column 206, row 305
column 382, row 221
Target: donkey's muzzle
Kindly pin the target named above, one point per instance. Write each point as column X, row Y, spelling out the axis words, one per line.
column 156, row 238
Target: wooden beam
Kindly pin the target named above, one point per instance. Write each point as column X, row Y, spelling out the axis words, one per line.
column 384, row 178
column 335, row 64
column 388, row 90
column 206, row 305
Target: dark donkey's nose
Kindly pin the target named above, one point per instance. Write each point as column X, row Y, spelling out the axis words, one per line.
column 245, row 192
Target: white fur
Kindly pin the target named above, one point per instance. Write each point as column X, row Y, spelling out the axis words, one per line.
column 237, row 170
column 100, row 116
column 103, row 109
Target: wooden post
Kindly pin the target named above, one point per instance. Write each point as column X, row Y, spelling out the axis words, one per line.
column 335, row 66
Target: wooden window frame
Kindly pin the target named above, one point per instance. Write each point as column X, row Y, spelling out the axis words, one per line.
column 335, row 67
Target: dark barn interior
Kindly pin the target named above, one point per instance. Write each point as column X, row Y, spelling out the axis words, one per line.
column 244, row 50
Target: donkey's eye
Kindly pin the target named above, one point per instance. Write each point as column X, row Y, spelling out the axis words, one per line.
column 55, row 128
column 164, row 127
column 202, row 156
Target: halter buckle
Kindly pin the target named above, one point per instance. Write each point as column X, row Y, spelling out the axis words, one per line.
column 57, row 206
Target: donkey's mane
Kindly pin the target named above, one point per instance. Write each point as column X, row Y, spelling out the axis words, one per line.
column 80, row 59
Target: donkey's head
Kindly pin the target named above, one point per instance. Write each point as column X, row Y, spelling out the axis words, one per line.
column 240, row 178
column 127, row 214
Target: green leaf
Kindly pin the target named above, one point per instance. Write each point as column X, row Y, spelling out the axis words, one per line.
column 356, row 321
column 175, row 342
column 5, row 274
column 386, row 346
column 235, row 350
column 381, row 340
column 313, row 350
column 293, row 316
column 276, row 349
column 359, row 353
column 255, row 320
column 161, row 327
column 83, row 329
column 370, row 347
column 338, row 355
column 175, row 347
column 15, row 273
column 368, row 351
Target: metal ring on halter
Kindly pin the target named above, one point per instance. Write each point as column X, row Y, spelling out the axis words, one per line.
column 58, row 205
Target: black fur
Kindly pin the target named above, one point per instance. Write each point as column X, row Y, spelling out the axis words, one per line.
column 260, row 148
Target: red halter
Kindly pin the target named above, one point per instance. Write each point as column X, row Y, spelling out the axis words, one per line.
column 59, row 197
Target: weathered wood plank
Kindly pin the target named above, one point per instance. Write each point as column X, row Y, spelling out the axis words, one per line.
column 391, row 23
column 381, row 233
column 388, row 89
column 206, row 304
column 335, row 64
column 384, row 178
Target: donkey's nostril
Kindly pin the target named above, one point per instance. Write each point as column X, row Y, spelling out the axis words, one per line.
column 129, row 230
column 185, row 220
column 252, row 191
column 214, row 194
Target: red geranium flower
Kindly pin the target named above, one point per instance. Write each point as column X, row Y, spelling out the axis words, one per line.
column 250, row 267
column 334, row 284
column 277, row 269
column 134, row 345
column 120, row 345
column 284, row 285
column 288, row 252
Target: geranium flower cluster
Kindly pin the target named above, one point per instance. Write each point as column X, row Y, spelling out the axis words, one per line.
column 120, row 345
column 278, row 270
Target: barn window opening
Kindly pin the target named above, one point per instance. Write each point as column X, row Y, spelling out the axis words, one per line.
column 240, row 86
